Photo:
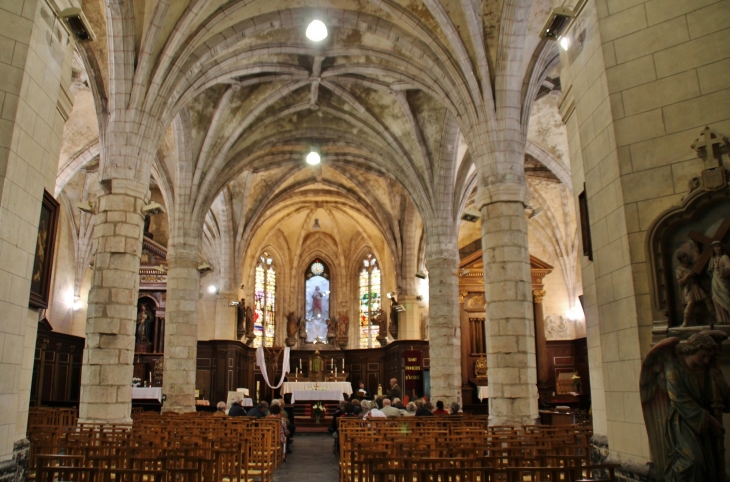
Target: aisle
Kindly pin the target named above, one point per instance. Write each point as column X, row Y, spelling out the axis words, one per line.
column 312, row 460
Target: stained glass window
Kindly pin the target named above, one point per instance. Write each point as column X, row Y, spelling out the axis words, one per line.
column 369, row 282
column 264, row 302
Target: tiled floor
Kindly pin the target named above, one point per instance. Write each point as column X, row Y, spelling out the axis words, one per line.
column 311, row 461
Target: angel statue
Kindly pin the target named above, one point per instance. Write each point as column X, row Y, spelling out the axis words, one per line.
column 683, row 396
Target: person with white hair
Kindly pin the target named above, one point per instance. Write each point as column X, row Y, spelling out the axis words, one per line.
column 236, row 409
column 389, row 410
column 221, row 412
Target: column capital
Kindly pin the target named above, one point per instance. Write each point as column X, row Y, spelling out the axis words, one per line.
column 504, row 192
column 538, row 295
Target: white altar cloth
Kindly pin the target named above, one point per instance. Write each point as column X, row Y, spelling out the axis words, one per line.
column 149, row 393
column 316, row 395
column 482, row 392
column 291, row 387
column 247, row 402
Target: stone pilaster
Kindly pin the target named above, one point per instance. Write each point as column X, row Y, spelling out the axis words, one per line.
column 543, row 372
column 510, row 325
column 225, row 315
column 444, row 326
column 181, row 329
column 106, row 374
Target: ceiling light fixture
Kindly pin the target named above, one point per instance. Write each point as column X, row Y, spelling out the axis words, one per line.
column 317, row 31
column 316, row 224
column 313, row 158
column 564, row 42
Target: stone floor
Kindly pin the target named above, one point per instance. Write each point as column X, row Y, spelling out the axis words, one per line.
column 311, row 461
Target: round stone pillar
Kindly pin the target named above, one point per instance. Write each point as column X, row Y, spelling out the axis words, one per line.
column 181, row 329
column 106, row 372
column 445, row 328
column 508, row 288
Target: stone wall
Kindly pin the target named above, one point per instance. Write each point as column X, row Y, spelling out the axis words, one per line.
column 642, row 79
column 35, row 56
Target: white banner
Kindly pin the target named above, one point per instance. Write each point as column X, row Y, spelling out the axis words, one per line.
column 261, row 362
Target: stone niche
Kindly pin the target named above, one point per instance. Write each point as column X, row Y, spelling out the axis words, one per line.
column 701, row 218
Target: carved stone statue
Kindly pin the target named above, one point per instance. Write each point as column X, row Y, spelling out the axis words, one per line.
column 683, row 396
column 342, row 325
column 692, row 293
column 719, row 269
column 331, row 329
column 378, row 319
column 145, row 325
column 291, row 329
column 250, row 336
column 291, row 325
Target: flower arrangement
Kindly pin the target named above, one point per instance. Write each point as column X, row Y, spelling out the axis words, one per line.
column 136, row 381
column 319, row 408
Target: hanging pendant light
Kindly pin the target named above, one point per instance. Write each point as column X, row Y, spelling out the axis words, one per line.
column 316, row 225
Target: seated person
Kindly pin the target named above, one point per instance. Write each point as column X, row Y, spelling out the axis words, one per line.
column 424, row 409
column 356, row 404
column 340, row 412
column 221, row 412
column 390, row 411
column 362, row 393
column 236, row 409
column 259, row 411
column 410, row 409
column 455, row 407
column 440, row 409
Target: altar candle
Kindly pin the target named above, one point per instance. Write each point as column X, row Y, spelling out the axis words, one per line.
column 150, row 378
column 343, row 365
column 332, row 363
column 300, row 363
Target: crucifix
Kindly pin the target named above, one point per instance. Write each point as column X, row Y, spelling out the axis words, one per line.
column 706, row 242
column 274, row 352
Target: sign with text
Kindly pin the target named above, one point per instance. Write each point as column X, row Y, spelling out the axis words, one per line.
column 413, row 370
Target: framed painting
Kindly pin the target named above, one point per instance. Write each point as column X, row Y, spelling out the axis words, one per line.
column 40, row 281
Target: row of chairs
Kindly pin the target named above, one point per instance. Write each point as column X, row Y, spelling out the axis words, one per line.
column 444, row 449
column 168, row 447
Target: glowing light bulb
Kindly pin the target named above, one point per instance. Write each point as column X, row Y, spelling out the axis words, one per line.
column 313, row 158
column 212, row 289
column 317, row 31
column 565, row 43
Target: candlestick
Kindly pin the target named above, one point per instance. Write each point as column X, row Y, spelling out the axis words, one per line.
column 343, row 365
column 300, row 363
column 332, row 363
column 150, row 378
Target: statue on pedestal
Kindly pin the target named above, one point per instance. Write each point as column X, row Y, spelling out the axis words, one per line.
column 683, row 396
column 250, row 336
column 292, row 325
column 692, row 293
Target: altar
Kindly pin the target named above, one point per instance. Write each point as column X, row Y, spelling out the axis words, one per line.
column 339, row 387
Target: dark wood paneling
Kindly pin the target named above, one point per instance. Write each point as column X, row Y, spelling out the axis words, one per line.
column 56, row 368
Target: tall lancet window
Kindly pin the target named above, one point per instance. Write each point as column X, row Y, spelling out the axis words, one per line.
column 369, row 301
column 264, row 302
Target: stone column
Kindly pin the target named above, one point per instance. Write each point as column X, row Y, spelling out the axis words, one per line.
column 409, row 321
column 508, row 288
column 225, row 315
column 181, row 329
column 106, row 373
column 543, row 374
column 445, row 339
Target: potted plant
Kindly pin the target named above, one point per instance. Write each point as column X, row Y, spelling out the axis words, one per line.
column 319, row 409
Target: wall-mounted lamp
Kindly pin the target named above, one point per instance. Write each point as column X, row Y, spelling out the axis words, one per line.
column 154, row 208
column 85, row 206
column 203, row 267
column 213, row 290
column 421, row 274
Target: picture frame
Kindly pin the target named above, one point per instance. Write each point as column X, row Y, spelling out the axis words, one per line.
column 40, row 281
